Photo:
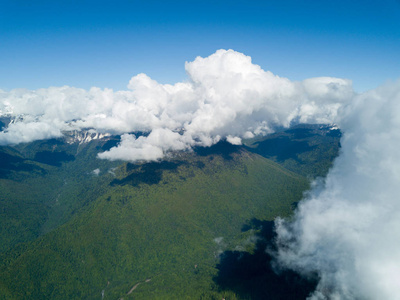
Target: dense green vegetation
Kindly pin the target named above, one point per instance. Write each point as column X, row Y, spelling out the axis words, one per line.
column 36, row 197
column 191, row 227
column 308, row 150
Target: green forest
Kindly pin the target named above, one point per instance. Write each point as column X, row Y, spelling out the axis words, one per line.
column 193, row 226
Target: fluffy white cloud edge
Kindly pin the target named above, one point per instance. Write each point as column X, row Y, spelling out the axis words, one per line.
column 347, row 229
column 226, row 96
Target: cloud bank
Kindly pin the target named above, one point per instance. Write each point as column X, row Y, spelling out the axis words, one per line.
column 347, row 229
column 226, row 96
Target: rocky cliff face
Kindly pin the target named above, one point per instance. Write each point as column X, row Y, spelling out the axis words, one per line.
column 83, row 136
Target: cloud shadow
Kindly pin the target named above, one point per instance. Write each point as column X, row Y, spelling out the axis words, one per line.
column 251, row 276
column 53, row 158
column 148, row 173
column 222, row 148
column 12, row 163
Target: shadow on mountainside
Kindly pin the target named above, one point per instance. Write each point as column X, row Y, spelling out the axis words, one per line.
column 148, row 173
column 251, row 276
column 282, row 148
column 151, row 172
column 10, row 163
column 222, row 148
column 53, row 158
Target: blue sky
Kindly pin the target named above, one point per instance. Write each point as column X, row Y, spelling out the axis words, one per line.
column 105, row 43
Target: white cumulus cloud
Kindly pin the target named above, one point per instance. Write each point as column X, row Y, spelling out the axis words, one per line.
column 226, row 96
column 347, row 229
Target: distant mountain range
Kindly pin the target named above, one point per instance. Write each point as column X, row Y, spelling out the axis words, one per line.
column 194, row 226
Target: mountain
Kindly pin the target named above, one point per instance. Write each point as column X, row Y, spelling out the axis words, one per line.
column 194, row 226
column 306, row 149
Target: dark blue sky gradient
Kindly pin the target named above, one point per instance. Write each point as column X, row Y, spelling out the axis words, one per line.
column 105, row 43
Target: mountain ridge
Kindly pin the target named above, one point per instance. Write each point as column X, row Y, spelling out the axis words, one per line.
column 105, row 227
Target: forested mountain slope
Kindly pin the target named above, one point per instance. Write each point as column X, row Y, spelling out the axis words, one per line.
column 76, row 227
